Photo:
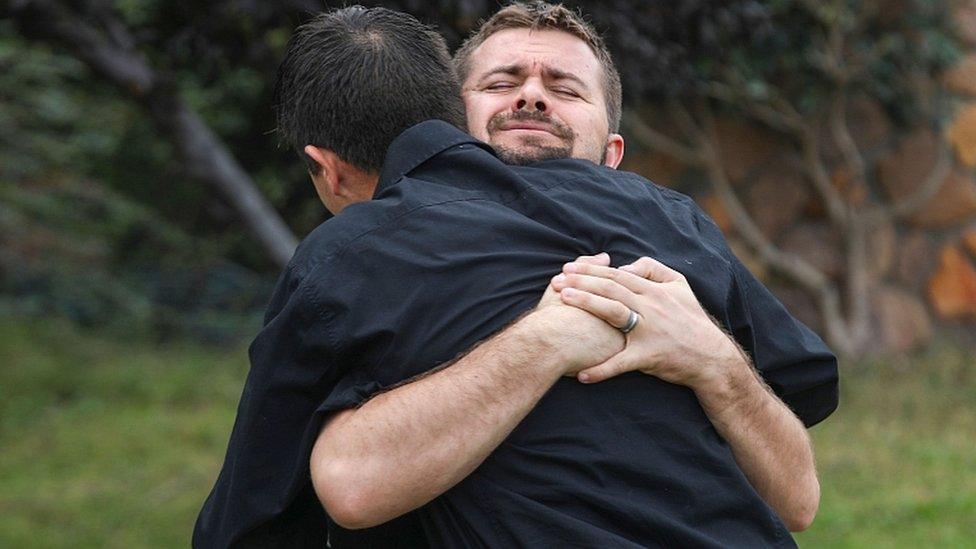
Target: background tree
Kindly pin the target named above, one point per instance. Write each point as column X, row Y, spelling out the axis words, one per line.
column 191, row 82
column 96, row 33
column 797, row 70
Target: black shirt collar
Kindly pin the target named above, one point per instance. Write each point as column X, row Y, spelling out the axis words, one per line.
column 418, row 144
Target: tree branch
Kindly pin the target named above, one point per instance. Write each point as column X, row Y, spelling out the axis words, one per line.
column 858, row 283
column 790, row 265
column 202, row 153
column 793, row 267
column 911, row 204
column 686, row 121
column 817, row 173
column 842, row 136
column 653, row 139
column 777, row 115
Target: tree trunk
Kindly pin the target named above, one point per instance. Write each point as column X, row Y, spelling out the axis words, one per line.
column 96, row 37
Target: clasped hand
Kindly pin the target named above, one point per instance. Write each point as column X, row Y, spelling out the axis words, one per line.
column 674, row 339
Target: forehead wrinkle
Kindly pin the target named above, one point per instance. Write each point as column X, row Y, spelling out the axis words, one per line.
column 559, row 74
column 513, row 69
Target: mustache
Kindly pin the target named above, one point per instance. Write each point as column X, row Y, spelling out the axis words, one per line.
column 557, row 128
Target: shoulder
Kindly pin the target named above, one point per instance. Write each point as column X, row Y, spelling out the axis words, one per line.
column 680, row 208
column 392, row 228
column 363, row 221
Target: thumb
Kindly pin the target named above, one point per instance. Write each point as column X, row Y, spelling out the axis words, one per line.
column 614, row 366
column 602, row 259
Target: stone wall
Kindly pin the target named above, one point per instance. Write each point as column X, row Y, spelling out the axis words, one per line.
column 923, row 269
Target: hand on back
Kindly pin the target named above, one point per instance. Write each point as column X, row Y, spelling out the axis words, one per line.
column 674, row 339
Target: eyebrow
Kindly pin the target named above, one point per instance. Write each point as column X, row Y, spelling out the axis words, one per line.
column 516, row 69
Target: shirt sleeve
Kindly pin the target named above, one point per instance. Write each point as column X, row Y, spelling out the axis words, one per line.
column 351, row 391
column 263, row 495
column 792, row 359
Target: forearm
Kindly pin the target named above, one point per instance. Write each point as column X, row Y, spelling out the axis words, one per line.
column 768, row 441
column 407, row 446
column 675, row 340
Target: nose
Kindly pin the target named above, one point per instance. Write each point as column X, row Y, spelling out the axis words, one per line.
column 532, row 98
column 523, row 104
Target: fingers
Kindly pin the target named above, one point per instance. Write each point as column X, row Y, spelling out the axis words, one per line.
column 628, row 280
column 597, row 287
column 652, row 269
column 617, row 364
column 551, row 295
column 612, row 312
column 602, row 258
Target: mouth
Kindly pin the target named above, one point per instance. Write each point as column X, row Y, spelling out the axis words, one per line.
column 528, row 126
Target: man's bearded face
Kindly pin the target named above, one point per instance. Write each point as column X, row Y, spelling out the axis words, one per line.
column 538, row 95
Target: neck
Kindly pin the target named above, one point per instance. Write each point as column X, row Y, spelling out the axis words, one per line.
column 357, row 186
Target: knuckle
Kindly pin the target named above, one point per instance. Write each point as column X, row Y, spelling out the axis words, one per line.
column 575, row 280
column 580, row 268
column 608, row 287
column 623, row 312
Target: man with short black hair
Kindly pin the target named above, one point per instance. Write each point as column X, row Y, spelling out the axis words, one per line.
column 319, row 98
column 453, row 247
column 341, row 119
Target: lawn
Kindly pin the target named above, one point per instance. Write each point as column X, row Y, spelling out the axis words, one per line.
column 113, row 443
column 897, row 461
column 106, row 443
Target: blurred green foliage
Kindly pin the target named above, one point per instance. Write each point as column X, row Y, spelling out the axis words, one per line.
column 94, row 223
column 51, row 118
column 82, row 252
column 97, row 222
column 676, row 50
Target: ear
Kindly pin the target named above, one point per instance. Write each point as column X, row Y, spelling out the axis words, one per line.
column 615, row 150
column 328, row 177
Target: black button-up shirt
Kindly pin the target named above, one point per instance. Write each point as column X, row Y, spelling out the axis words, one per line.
column 454, row 246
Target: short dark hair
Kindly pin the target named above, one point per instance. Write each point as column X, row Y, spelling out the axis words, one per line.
column 354, row 78
column 538, row 15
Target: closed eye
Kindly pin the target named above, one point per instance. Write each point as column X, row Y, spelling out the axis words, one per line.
column 499, row 86
column 566, row 91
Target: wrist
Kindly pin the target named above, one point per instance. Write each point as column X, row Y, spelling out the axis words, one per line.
column 534, row 340
column 730, row 382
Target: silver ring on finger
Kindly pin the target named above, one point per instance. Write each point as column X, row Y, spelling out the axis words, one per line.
column 631, row 322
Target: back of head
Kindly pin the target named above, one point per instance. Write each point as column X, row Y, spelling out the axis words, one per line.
column 354, row 78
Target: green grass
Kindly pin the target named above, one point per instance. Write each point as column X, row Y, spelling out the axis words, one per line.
column 108, row 444
column 112, row 443
column 897, row 461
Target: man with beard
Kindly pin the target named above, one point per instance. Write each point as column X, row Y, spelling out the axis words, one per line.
column 502, row 446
